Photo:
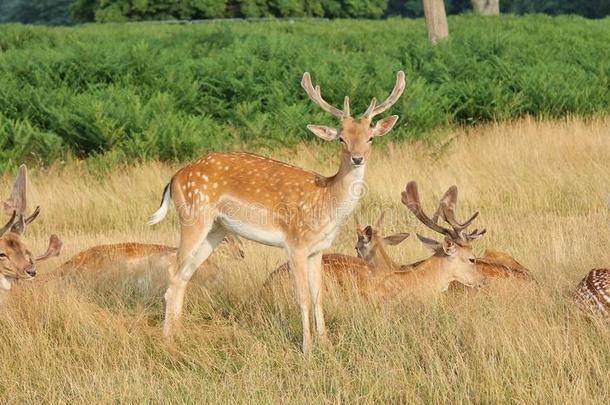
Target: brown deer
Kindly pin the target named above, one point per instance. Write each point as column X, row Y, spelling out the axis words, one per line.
column 273, row 203
column 496, row 264
column 453, row 259
column 370, row 246
column 139, row 261
column 593, row 292
column 16, row 261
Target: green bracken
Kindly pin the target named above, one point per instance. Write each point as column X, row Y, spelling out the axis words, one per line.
column 124, row 93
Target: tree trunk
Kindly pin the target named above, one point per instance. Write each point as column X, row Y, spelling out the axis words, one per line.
column 486, row 7
column 436, row 20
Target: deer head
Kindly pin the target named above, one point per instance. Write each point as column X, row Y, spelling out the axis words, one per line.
column 455, row 248
column 371, row 245
column 16, row 261
column 355, row 135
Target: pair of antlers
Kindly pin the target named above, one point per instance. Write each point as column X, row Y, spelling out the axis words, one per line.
column 16, row 206
column 315, row 95
column 446, row 210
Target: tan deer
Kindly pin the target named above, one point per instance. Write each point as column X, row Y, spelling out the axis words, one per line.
column 139, row 261
column 16, row 261
column 453, row 259
column 273, row 203
column 593, row 292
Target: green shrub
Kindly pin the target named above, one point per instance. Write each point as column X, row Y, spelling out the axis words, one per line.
column 171, row 92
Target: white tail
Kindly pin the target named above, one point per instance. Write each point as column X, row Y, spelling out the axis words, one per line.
column 163, row 208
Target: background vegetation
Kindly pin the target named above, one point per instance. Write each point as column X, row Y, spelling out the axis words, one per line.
column 70, row 11
column 541, row 189
column 117, row 93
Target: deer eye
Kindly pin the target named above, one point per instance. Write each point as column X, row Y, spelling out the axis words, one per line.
column 370, row 139
column 342, row 140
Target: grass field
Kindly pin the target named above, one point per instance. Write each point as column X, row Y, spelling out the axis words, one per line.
column 541, row 187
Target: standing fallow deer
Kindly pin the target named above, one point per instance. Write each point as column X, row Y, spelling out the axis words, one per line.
column 16, row 261
column 593, row 292
column 273, row 203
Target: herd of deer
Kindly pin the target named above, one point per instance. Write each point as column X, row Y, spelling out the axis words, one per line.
column 276, row 204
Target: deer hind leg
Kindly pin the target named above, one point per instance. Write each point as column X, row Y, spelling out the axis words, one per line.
column 193, row 250
column 316, row 290
column 298, row 268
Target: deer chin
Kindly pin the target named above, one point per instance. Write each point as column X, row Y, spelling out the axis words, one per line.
column 5, row 283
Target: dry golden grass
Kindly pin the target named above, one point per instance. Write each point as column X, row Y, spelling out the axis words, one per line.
column 542, row 190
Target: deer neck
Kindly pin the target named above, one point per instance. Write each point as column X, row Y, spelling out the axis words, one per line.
column 5, row 284
column 380, row 260
column 345, row 188
column 431, row 274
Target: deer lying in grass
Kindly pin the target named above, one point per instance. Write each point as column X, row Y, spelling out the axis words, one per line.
column 593, row 292
column 16, row 261
column 273, row 203
column 140, row 261
column 496, row 264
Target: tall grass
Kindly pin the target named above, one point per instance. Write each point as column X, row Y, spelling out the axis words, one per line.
column 541, row 188
column 117, row 93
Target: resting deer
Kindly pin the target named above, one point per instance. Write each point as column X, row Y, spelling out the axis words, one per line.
column 453, row 259
column 133, row 260
column 371, row 247
column 273, row 203
column 16, row 261
column 593, row 292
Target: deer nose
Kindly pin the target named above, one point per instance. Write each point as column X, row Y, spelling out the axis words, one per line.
column 31, row 271
column 357, row 160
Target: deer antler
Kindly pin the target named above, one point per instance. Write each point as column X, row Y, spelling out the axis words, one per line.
column 54, row 249
column 316, row 96
column 410, row 198
column 446, row 210
column 17, row 202
column 375, row 109
column 9, row 224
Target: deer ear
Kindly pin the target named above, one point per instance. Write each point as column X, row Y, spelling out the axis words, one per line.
column 326, row 133
column 449, row 247
column 429, row 243
column 384, row 126
column 394, row 240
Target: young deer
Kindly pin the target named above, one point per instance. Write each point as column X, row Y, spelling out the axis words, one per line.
column 371, row 247
column 16, row 261
column 273, row 203
column 593, row 292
